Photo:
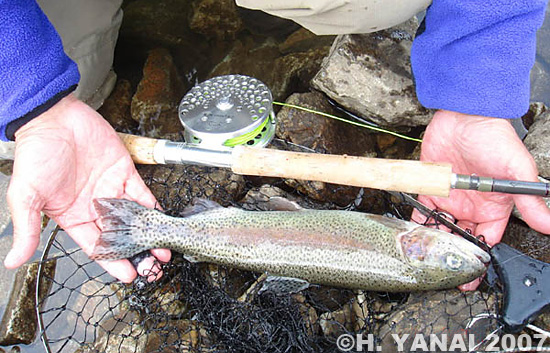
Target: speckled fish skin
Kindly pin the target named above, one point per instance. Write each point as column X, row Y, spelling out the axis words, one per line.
column 336, row 248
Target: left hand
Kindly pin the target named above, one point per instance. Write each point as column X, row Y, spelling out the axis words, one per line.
column 485, row 147
column 65, row 158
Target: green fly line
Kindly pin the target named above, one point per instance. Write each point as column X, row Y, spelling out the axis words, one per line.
column 242, row 139
column 348, row 121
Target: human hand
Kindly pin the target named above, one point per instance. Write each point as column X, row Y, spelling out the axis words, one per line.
column 64, row 159
column 485, row 147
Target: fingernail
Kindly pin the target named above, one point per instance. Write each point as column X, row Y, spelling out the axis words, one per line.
column 11, row 260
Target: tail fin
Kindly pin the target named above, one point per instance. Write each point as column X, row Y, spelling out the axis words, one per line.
column 122, row 229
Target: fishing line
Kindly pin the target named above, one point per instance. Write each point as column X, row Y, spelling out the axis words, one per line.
column 348, row 121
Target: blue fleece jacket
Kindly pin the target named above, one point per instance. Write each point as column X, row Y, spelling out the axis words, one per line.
column 34, row 69
column 474, row 57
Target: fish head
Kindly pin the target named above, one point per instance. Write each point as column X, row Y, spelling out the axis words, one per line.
column 441, row 259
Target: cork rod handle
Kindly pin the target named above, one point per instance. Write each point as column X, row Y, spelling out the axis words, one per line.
column 386, row 174
column 141, row 148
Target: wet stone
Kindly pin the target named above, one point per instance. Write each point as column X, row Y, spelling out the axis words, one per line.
column 437, row 313
column 118, row 338
column 155, row 103
column 336, row 323
column 370, row 75
column 283, row 74
column 304, row 40
column 19, row 322
column 537, row 142
column 328, row 136
column 217, row 19
column 519, row 236
column 116, row 108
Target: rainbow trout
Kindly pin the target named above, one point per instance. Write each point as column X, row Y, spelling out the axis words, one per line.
column 336, row 248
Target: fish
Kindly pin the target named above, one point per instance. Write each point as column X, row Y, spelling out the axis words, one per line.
column 329, row 247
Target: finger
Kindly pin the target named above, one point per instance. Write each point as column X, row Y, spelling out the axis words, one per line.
column 137, row 191
column 491, row 231
column 120, row 269
column 419, row 217
column 534, row 212
column 85, row 235
column 25, row 208
column 163, row 255
column 150, row 268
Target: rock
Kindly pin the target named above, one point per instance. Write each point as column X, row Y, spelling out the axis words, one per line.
column 336, row 323
column 162, row 23
column 293, row 72
column 176, row 186
column 537, row 142
column 286, row 74
column 308, row 313
column 185, row 336
column 322, row 134
column 535, row 109
column 540, row 76
column 19, row 322
column 5, row 215
column 263, row 24
column 325, row 135
column 117, row 338
column 304, row 40
column 116, row 108
column 441, row 312
column 540, row 73
column 370, row 75
column 217, row 19
column 529, row 241
column 155, row 103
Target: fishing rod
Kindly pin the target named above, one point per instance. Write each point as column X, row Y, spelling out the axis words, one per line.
column 226, row 118
column 436, row 179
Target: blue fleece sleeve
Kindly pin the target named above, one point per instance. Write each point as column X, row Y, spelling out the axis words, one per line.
column 33, row 66
column 474, row 56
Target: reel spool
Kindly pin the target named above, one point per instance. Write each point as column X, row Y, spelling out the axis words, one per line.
column 226, row 111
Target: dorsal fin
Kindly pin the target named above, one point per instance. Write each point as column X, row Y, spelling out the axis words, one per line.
column 278, row 203
column 199, row 205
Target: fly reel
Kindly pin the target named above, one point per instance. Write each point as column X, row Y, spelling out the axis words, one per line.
column 226, row 111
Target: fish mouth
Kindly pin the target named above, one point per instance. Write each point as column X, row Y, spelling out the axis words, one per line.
column 470, row 248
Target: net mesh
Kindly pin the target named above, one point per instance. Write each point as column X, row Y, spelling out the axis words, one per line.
column 210, row 308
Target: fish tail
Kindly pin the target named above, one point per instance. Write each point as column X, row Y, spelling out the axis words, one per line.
column 122, row 228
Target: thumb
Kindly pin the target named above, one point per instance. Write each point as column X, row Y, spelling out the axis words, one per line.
column 25, row 208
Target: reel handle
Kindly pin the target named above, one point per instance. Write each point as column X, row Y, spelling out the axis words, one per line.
column 398, row 175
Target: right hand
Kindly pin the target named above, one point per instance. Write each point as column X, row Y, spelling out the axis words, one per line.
column 64, row 159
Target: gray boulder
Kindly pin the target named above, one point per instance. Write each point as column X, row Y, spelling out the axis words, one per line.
column 370, row 75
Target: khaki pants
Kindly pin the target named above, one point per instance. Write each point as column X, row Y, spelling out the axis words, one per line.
column 341, row 16
column 89, row 30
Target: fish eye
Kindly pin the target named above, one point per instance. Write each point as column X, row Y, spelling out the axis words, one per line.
column 453, row 261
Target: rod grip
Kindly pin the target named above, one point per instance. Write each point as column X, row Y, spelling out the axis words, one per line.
column 141, row 148
column 398, row 175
